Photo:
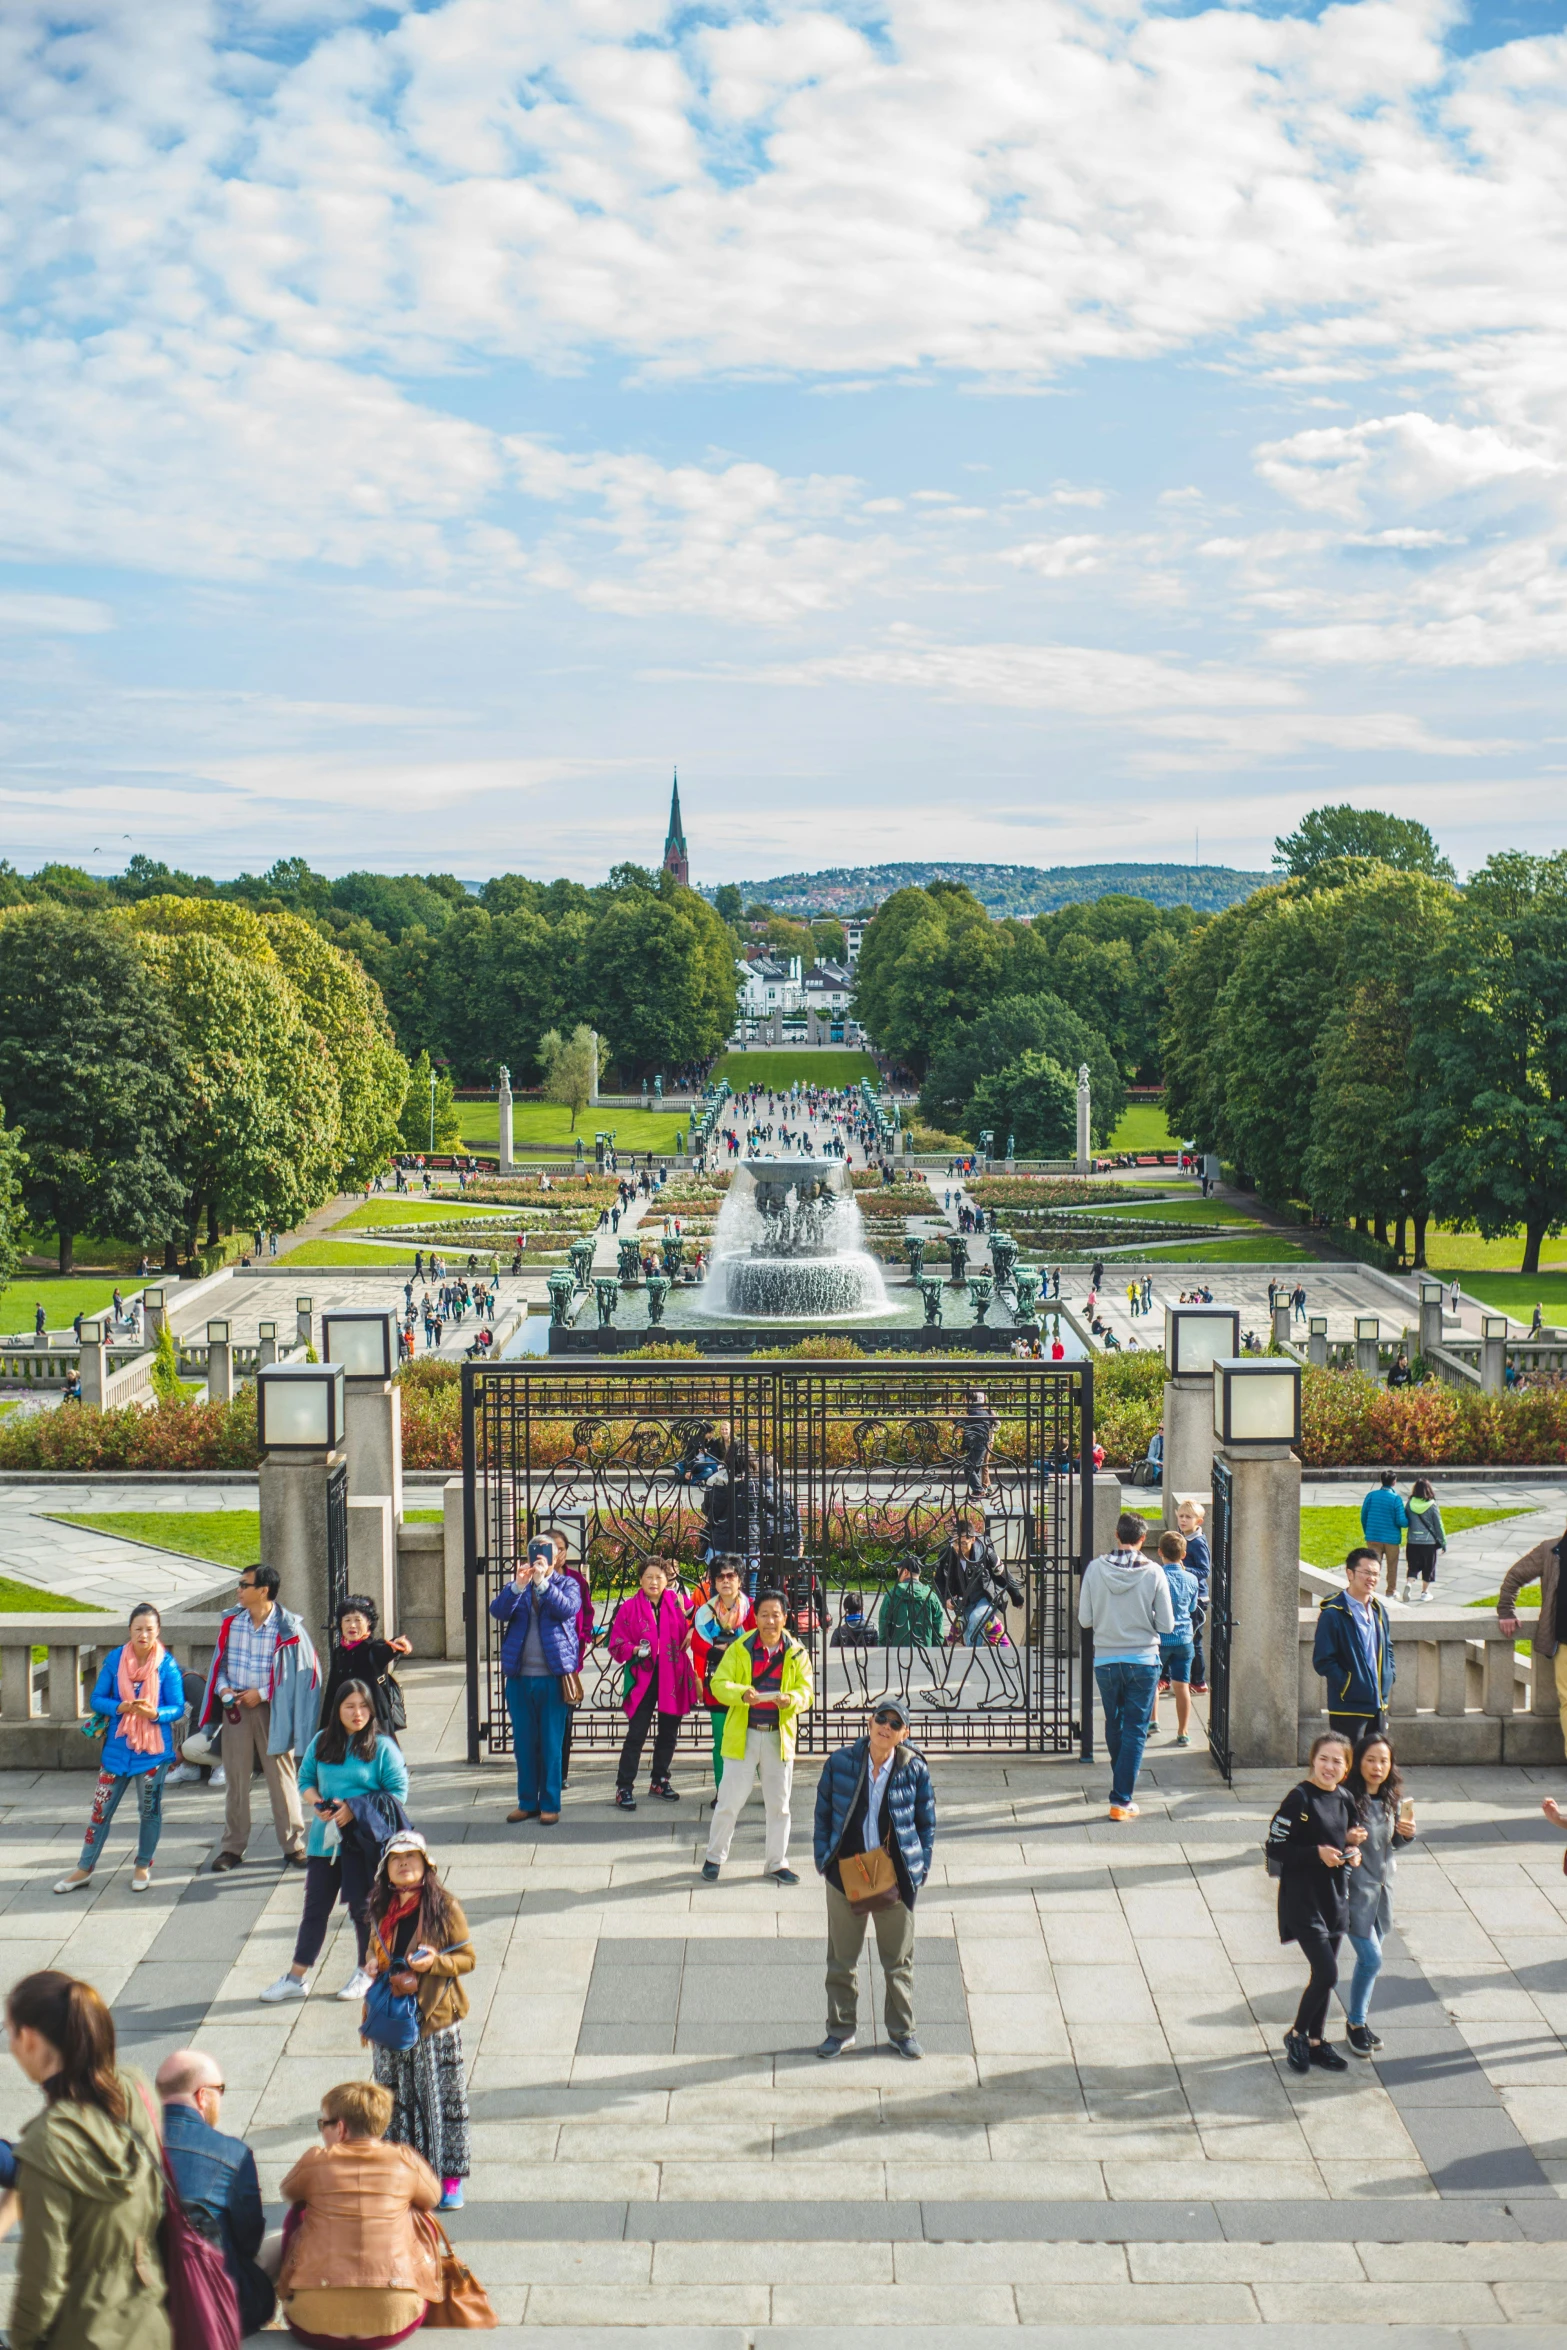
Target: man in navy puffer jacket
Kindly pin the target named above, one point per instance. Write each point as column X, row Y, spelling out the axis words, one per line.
column 876, row 1792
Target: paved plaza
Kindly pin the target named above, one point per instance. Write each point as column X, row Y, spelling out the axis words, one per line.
column 1102, row 2133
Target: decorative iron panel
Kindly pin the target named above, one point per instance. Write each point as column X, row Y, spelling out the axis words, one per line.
column 1221, row 1620
column 336, row 1548
column 830, row 1473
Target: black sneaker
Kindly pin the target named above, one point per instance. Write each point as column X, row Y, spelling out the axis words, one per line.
column 663, row 1790
column 710, row 1872
column 1297, row 2050
column 1362, row 2039
column 832, row 2046
column 1328, row 2059
column 624, row 1799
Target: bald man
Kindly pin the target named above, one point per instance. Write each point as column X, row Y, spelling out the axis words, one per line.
column 217, row 2182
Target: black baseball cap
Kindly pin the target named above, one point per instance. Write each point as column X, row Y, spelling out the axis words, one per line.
column 889, row 1709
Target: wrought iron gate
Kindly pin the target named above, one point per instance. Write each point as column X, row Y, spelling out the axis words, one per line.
column 1220, row 1618
column 336, row 1547
column 822, row 1476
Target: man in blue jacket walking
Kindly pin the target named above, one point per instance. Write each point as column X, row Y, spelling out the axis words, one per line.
column 875, row 1793
column 1384, row 1520
column 1353, row 1650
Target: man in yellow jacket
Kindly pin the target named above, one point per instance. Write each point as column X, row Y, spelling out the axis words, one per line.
column 763, row 1684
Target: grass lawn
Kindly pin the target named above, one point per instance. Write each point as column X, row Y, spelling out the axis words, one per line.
column 21, row 1599
column 1517, row 1293
column 1267, row 1248
column 546, row 1126
column 369, row 1253
column 1170, row 1211
column 825, row 1066
column 228, row 1538
column 1459, row 1252
column 62, row 1301
column 1326, row 1534
column 1143, row 1128
column 391, row 1208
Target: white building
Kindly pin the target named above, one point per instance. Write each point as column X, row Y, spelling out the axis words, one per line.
column 827, row 988
column 768, row 984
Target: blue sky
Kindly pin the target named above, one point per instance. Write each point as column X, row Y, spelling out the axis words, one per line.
column 1019, row 430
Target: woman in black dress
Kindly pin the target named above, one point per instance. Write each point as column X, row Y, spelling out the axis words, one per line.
column 1313, row 1838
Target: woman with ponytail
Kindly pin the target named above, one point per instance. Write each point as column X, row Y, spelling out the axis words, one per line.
column 90, row 2179
column 139, row 1696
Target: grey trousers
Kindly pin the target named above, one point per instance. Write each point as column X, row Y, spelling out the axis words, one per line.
column 845, row 1941
column 244, row 1745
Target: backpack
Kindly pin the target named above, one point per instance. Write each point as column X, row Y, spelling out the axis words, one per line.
column 203, row 2302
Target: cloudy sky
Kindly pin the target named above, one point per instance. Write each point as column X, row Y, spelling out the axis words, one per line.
column 1003, row 428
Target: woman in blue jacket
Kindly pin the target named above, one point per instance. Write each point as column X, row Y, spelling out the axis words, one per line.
column 139, row 1693
column 346, row 1759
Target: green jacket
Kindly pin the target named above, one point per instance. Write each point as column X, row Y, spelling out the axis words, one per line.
column 89, row 2275
column 912, row 1616
column 734, row 1674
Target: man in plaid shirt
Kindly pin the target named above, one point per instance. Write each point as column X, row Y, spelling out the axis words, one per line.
column 265, row 1684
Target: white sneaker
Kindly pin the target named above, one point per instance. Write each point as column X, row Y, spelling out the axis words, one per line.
column 217, row 1779
column 286, row 1987
column 181, row 1774
column 73, row 1883
column 357, row 1984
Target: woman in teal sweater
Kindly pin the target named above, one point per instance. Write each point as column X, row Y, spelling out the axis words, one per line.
column 347, row 1758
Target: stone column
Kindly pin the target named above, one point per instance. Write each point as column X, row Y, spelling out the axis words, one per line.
column 1317, row 1341
column 1084, row 1119
column 1493, row 1355
column 373, row 1441
column 92, row 1363
column 304, row 1326
column 293, row 1530
column 505, row 1121
column 1265, row 1604
column 372, row 1554
column 220, row 1366
column 1281, row 1321
column 1368, row 1331
column 1188, row 1443
column 453, row 1566
column 1431, row 1295
column 154, row 1314
column 266, row 1346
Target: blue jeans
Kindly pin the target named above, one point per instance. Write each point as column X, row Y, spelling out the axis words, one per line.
column 1127, row 1694
column 538, row 1732
column 1368, row 1965
column 106, row 1802
column 974, row 1622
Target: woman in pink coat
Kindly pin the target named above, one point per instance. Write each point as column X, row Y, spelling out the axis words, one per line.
column 652, row 1635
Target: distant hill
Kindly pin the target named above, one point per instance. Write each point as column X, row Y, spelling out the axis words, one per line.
column 1006, row 889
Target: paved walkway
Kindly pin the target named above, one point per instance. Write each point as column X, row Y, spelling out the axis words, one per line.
column 1102, row 2132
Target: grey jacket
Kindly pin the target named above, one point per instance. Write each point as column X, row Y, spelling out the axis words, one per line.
column 1371, row 1885
column 1125, row 1602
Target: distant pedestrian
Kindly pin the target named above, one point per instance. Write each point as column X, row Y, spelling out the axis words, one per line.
column 874, row 1804
column 911, row 1614
column 1125, row 1602
column 1313, row 1841
column 1388, row 1818
column 138, row 1698
column 1189, row 1516
column 1426, row 1537
column 1353, row 1650
column 719, row 1620
column 1175, row 1646
column 357, row 1655
column 1383, row 1518
column 765, row 1684
column 40, row 1324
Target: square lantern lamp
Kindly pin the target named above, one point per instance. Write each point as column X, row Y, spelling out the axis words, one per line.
column 361, row 1342
column 217, row 1334
column 299, row 1407
column 1368, row 1329
column 1196, row 1337
column 1319, row 1326
column 1256, row 1400
column 1432, row 1293
column 152, row 1301
column 1494, row 1326
column 267, row 1330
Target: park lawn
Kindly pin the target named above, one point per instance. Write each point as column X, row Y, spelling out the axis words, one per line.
column 1461, row 1252
column 1328, row 1533
column 1143, row 1128
column 1265, row 1248
column 391, row 1208
column 228, row 1538
column 62, row 1300
column 826, row 1066
column 24, row 1599
column 366, row 1253
column 548, row 1126
column 1517, row 1293
column 1171, row 1211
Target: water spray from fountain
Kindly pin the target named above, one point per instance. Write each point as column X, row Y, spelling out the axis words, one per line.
column 789, row 1246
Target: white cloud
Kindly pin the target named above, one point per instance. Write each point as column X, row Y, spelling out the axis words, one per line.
column 1055, row 558
column 1411, row 460
column 27, row 615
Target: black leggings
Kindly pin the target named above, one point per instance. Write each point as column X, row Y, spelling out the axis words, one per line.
column 1422, row 1562
column 1321, row 1953
column 636, row 1738
column 324, row 1880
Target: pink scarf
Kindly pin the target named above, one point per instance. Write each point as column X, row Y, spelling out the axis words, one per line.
column 140, row 1735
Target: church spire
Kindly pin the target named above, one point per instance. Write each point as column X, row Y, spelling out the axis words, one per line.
column 675, row 860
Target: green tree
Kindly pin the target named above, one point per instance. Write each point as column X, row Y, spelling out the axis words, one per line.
column 929, row 961
column 414, row 1126
column 68, row 885
column 12, row 1160
column 1270, row 1014
column 393, row 903
column 1192, row 1034
column 146, row 877
column 828, row 942
column 1343, row 831
column 657, row 976
column 1034, row 1100
column 1490, row 1041
column 571, row 1064
column 729, row 905
column 89, row 1070
column 1039, row 1024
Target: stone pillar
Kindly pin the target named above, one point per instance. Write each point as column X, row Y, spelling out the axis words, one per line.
column 1368, row 1331
column 220, row 1364
column 293, row 1530
column 1084, row 1119
column 453, row 1565
column 1264, row 1603
column 154, row 1314
column 372, row 1554
column 1317, row 1341
column 373, row 1441
column 1188, row 1443
column 1431, row 1295
column 92, row 1363
column 1281, row 1322
column 1493, row 1355
column 304, row 1328
column 266, row 1346
column 505, row 1121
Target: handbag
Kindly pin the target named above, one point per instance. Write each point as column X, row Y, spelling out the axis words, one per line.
column 870, row 1882
column 396, row 1708
column 571, row 1688
column 391, row 2017
column 202, row 2300
column 463, row 2302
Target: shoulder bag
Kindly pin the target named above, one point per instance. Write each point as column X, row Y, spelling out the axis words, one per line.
column 203, row 2302
column 391, row 2017
column 571, row 1688
column 870, row 1882
column 463, row 2302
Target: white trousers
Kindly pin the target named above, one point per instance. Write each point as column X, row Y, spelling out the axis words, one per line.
column 761, row 1754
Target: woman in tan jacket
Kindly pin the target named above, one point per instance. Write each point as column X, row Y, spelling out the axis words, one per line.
column 419, row 1933
column 356, row 2268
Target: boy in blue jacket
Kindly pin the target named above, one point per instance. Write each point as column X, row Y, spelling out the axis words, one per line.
column 1175, row 1647
column 1189, row 1516
column 1353, row 1650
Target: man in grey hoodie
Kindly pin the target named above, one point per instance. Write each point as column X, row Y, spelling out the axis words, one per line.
column 1125, row 1603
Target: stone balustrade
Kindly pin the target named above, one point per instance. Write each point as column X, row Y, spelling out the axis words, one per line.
column 1462, row 1694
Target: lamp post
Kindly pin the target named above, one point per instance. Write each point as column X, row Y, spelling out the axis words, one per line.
column 1256, row 1427
column 1493, row 1353
column 362, row 1342
column 299, row 1434
column 1368, row 1331
column 266, row 1345
column 1194, row 1338
column 220, row 1363
column 304, row 1326
column 1317, row 1341
column 1431, row 1297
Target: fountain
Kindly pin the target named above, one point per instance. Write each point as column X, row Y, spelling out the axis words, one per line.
column 1003, row 1256
column 789, row 1245
column 630, row 1262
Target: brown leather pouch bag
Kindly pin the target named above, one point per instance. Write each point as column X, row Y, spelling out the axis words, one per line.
column 870, row 1882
